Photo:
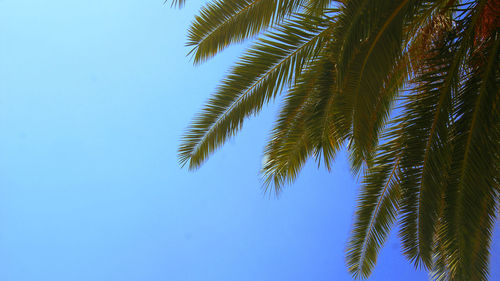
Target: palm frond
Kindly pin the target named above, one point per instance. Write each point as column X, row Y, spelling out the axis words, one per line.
column 318, row 7
column 392, row 86
column 290, row 145
column 329, row 129
column 428, row 109
column 262, row 73
column 440, row 270
column 377, row 43
column 344, row 64
column 293, row 139
column 427, row 149
column 377, row 206
column 477, row 138
column 229, row 21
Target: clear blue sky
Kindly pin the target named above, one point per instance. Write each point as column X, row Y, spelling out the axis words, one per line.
column 94, row 96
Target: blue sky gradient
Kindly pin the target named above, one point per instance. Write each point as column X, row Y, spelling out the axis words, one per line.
column 94, row 96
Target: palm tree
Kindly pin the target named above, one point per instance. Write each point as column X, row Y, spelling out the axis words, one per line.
column 409, row 87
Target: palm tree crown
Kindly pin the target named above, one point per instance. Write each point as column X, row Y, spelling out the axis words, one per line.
column 410, row 87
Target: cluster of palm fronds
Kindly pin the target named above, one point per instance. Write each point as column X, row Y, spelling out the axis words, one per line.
column 410, row 87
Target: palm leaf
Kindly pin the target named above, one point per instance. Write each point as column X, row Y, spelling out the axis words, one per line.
column 328, row 127
column 262, row 73
column 471, row 211
column 289, row 146
column 293, row 139
column 377, row 43
column 377, row 207
column 318, row 7
column 439, row 165
column 431, row 110
column 428, row 110
column 229, row 21
column 425, row 157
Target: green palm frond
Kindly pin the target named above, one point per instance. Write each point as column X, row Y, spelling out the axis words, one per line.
column 318, row 7
column 377, row 207
column 290, row 144
column 328, row 129
column 265, row 69
column 436, row 168
column 427, row 109
column 296, row 136
column 392, row 86
column 426, row 134
column 440, row 268
column 471, row 211
column 377, row 57
column 425, row 163
column 328, row 125
column 229, row 21
column 366, row 59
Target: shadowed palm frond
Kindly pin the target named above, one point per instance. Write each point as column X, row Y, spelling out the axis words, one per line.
column 318, row 7
column 366, row 60
column 471, row 206
column 377, row 206
column 426, row 153
column 290, row 144
column 427, row 143
column 265, row 69
column 328, row 126
column 348, row 67
column 229, row 21
column 292, row 140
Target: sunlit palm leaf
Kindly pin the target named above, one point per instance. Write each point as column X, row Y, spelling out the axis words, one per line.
column 296, row 135
column 265, row 69
column 425, row 158
column 428, row 109
column 290, row 145
column 327, row 126
column 378, row 36
column 228, row 21
column 377, row 207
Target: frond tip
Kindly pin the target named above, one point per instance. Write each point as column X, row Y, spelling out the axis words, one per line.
column 377, row 210
column 177, row 3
